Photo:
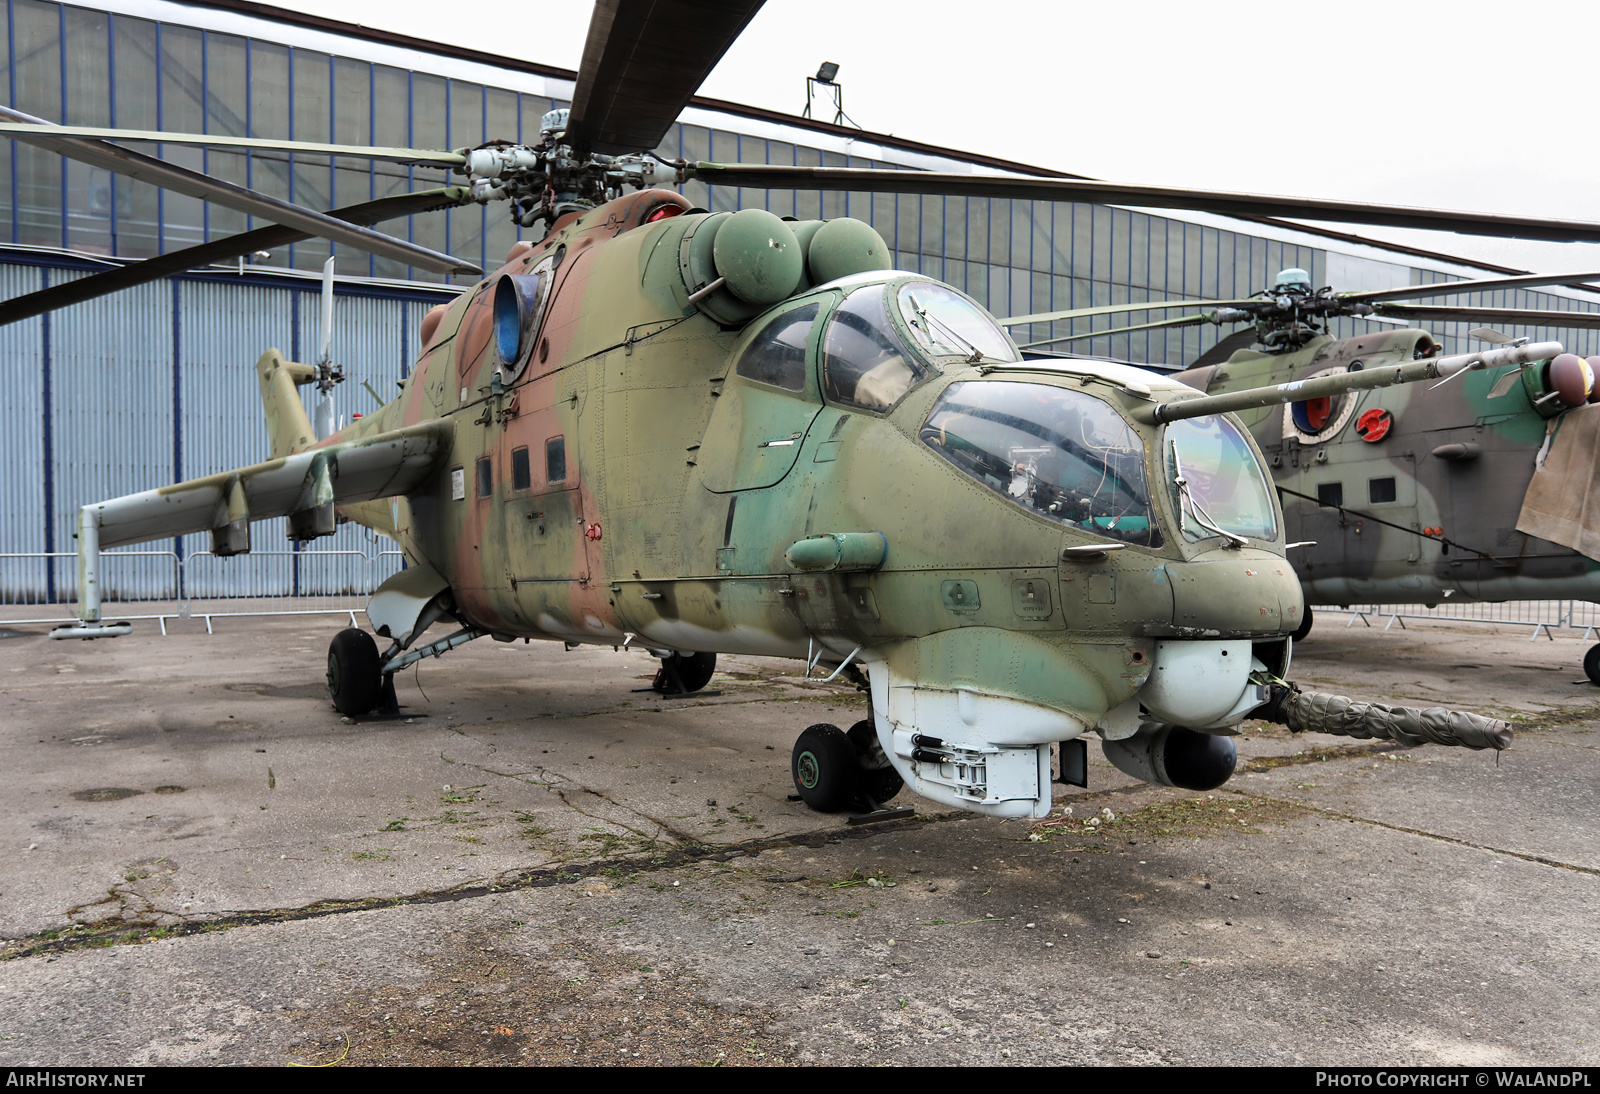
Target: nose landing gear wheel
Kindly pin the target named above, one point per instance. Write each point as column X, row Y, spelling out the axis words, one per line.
column 1591, row 664
column 353, row 676
column 1305, row 626
column 823, row 764
column 692, row 672
column 878, row 784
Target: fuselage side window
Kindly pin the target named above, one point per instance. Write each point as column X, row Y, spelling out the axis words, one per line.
column 555, row 460
column 485, row 477
column 777, row 355
column 521, row 472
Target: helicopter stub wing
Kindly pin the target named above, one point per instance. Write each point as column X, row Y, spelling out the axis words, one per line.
column 309, row 482
column 380, row 466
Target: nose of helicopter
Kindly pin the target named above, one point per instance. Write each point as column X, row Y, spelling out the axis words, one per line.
column 1221, row 606
column 1235, row 594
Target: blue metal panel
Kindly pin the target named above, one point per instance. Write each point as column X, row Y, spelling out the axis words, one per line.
column 111, row 365
column 22, row 491
column 225, row 329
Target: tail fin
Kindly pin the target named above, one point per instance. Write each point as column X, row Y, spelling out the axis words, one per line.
column 288, row 428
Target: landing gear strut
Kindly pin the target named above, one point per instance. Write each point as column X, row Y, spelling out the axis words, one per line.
column 360, row 679
column 879, row 780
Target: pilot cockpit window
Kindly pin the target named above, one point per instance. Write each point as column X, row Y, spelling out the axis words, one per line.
column 945, row 324
column 777, row 355
column 864, row 362
column 1062, row 454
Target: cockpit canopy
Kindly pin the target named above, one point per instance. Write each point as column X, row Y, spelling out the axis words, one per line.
column 865, row 362
column 882, row 340
column 1060, row 453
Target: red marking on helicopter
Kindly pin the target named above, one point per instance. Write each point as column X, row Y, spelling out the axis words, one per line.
column 1374, row 424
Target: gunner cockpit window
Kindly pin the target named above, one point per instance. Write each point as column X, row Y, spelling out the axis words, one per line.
column 1062, row 454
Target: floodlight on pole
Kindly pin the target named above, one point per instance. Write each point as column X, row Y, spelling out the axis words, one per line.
column 826, row 76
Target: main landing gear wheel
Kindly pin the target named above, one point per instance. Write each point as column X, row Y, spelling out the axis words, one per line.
column 826, row 774
column 354, row 681
column 1305, row 626
column 1591, row 664
column 692, row 672
column 878, row 784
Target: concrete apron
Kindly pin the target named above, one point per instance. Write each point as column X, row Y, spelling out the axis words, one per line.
column 536, row 864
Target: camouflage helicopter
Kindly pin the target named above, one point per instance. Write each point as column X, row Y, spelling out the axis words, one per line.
column 1406, row 496
column 699, row 433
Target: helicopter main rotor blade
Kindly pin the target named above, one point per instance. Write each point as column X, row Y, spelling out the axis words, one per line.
column 170, row 176
column 261, row 239
column 873, row 180
column 421, row 156
column 642, row 62
column 1116, row 309
column 1519, row 316
column 1488, row 284
column 1180, row 321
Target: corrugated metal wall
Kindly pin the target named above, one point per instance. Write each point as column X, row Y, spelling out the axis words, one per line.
column 155, row 384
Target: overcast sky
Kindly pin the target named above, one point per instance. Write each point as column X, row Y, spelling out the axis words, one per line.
column 1462, row 105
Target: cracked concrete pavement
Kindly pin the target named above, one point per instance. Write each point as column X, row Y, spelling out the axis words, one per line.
column 536, row 863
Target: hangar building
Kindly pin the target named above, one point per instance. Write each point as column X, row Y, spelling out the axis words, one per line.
column 155, row 384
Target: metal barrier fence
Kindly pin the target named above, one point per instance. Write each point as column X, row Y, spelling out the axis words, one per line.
column 1544, row 616
column 161, row 586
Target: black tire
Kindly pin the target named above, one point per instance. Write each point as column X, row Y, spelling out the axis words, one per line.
column 1305, row 626
column 354, row 681
column 826, row 774
column 1591, row 664
column 878, row 783
column 695, row 672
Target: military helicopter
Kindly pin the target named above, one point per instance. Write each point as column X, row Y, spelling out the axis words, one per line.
column 1408, row 496
column 699, row 433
